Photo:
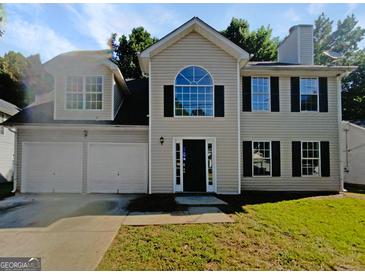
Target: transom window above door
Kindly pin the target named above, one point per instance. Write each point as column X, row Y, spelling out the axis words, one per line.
column 84, row 92
column 194, row 92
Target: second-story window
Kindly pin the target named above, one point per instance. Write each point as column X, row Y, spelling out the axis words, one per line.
column 193, row 92
column 74, row 92
column 94, row 95
column 308, row 94
column 260, row 94
column 84, row 92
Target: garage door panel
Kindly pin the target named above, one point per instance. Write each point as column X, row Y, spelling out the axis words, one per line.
column 117, row 168
column 52, row 167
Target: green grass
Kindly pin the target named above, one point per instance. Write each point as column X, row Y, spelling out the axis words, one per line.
column 326, row 233
column 5, row 190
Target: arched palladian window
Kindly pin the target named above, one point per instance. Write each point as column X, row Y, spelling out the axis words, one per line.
column 194, row 92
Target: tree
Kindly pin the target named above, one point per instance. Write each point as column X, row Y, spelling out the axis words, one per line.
column 353, row 94
column 2, row 19
column 125, row 51
column 260, row 43
column 344, row 40
column 21, row 78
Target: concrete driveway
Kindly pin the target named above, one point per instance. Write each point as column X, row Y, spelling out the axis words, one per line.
column 69, row 232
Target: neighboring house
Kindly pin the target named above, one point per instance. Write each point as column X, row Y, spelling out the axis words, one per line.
column 353, row 145
column 205, row 120
column 6, row 142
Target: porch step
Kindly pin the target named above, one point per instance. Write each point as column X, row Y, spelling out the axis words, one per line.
column 205, row 200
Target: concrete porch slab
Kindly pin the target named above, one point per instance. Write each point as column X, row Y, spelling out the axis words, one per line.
column 193, row 215
column 199, row 200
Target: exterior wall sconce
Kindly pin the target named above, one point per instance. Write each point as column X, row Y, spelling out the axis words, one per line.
column 162, row 140
column 85, row 133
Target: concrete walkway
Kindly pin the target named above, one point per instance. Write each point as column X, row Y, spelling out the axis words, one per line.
column 72, row 232
column 76, row 243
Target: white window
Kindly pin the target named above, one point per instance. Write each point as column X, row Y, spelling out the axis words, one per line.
column 193, row 92
column 308, row 94
column 84, row 92
column 260, row 94
column 310, row 158
column 261, row 158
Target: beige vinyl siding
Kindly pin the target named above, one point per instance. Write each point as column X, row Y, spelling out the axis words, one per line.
column 193, row 49
column 288, row 50
column 286, row 126
column 77, row 135
column 62, row 67
column 306, row 45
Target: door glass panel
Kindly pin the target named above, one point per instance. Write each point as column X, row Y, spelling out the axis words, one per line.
column 178, row 164
column 210, row 164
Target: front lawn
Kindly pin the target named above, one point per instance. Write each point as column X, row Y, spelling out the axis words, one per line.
column 321, row 233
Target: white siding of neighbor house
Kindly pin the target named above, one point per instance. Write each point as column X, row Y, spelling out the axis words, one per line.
column 62, row 67
column 118, row 98
column 306, row 45
column 286, row 126
column 356, row 156
column 6, row 154
column 193, row 49
column 116, row 135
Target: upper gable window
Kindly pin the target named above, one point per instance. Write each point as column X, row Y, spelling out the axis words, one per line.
column 308, row 94
column 260, row 94
column 84, row 92
column 194, row 92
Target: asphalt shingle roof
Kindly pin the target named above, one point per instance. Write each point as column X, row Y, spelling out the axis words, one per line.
column 133, row 111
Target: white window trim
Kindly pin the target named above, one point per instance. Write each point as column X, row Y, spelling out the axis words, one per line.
column 84, row 93
column 213, row 102
column 319, row 158
column 269, row 87
column 300, row 95
column 212, row 140
column 252, row 161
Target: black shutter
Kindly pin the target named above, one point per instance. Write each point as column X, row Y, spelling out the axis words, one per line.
column 247, row 158
column 168, row 96
column 325, row 159
column 246, row 93
column 295, row 94
column 275, row 102
column 219, row 101
column 323, row 94
column 296, row 158
column 275, row 149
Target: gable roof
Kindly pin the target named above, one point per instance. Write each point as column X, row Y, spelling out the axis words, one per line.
column 8, row 108
column 199, row 26
column 133, row 112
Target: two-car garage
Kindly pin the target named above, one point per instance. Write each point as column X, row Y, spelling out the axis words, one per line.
column 76, row 167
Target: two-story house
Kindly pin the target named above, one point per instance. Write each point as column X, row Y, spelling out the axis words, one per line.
column 205, row 119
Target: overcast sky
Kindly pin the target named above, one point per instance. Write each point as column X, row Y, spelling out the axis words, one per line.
column 50, row 29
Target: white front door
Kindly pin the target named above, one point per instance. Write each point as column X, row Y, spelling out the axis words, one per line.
column 117, row 168
column 52, row 167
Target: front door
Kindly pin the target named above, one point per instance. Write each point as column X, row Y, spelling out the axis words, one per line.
column 194, row 165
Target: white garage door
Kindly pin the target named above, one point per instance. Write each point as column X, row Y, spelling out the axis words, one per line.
column 52, row 167
column 117, row 168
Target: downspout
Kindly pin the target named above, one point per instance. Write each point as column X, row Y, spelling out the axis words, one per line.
column 339, row 118
column 239, row 125
column 15, row 160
